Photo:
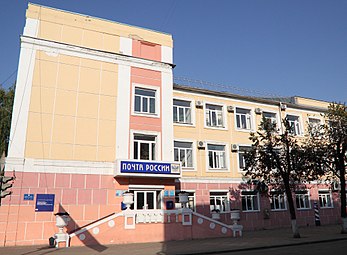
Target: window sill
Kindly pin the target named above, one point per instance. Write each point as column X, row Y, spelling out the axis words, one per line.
column 150, row 115
column 278, row 210
column 188, row 169
column 331, row 207
column 255, row 211
column 244, row 130
column 214, row 170
column 184, row 124
column 216, row 127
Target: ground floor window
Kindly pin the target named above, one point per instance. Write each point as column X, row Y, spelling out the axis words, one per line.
column 250, row 200
column 191, row 200
column 325, row 199
column 219, row 200
column 277, row 200
column 147, row 199
column 302, row 198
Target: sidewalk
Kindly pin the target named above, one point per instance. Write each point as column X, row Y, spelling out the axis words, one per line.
column 251, row 240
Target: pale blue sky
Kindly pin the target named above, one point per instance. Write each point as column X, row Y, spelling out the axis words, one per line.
column 282, row 47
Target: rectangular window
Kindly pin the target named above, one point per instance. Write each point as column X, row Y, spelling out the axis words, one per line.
column 294, row 123
column 241, row 153
column 250, row 201
column 277, row 200
column 302, row 199
column 243, row 119
column 182, row 111
column 183, row 152
column 191, row 200
column 271, row 116
column 216, row 156
column 145, row 100
column 214, row 115
column 146, row 200
column 219, row 201
column 325, row 199
column 144, row 147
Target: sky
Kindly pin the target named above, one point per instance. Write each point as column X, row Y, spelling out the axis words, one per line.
column 265, row 47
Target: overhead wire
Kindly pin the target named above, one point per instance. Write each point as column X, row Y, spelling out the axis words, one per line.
column 227, row 88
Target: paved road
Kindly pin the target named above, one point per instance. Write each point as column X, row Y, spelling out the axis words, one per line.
column 324, row 248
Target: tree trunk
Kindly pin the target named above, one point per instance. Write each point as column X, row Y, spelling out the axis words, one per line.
column 295, row 229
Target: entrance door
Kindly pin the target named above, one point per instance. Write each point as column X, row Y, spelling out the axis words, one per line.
column 145, row 200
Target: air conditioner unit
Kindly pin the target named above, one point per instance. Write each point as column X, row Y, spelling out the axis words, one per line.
column 283, row 106
column 234, row 147
column 230, row 108
column 201, row 145
column 335, row 186
column 258, row 111
column 199, row 104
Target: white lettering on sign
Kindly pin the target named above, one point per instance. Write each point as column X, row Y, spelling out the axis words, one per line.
column 132, row 166
column 158, row 168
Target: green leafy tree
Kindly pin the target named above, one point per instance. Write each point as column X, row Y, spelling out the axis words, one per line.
column 6, row 105
column 327, row 150
column 278, row 160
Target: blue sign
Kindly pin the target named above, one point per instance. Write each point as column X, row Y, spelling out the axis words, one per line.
column 29, row 197
column 44, row 202
column 149, row 168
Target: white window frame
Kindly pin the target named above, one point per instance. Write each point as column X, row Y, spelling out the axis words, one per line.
column 296, row 124
column 240, row 151
column 324, row 193
column 158, row 191
column 149, row 133
column 303, row 206
column 191, row 198
column 192, row 111
column 191, row 168
column 226, row 153
column 248, row 116
column 157, row 100
column 223, row 196
column 250, row 198
column 276, row 195
column 273, row 120
column 223, row 112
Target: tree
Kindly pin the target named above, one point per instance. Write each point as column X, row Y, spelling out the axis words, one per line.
column 327, row 147
column 6, row 105
column 278, row 160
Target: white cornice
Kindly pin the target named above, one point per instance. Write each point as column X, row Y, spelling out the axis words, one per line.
column 72, row 50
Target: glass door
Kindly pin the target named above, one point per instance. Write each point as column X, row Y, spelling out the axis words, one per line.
column 145, row 200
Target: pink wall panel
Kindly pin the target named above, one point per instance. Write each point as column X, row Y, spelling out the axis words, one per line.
column 99, row 196
column 69, row 196
column 46, row 179
column 78, row 181
column 93, row 181
column 146, row 50
column 84, row 196
column 63, row 180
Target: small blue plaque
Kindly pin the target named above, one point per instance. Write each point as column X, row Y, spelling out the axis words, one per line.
column 44, row 202
column 29, row 197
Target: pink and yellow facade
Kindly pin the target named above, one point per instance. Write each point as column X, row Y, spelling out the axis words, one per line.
column 96, row 114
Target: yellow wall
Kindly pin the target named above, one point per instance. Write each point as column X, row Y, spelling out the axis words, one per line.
column 72, row 114
column 81, row 30
column 311, row 102
column 230, row 135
